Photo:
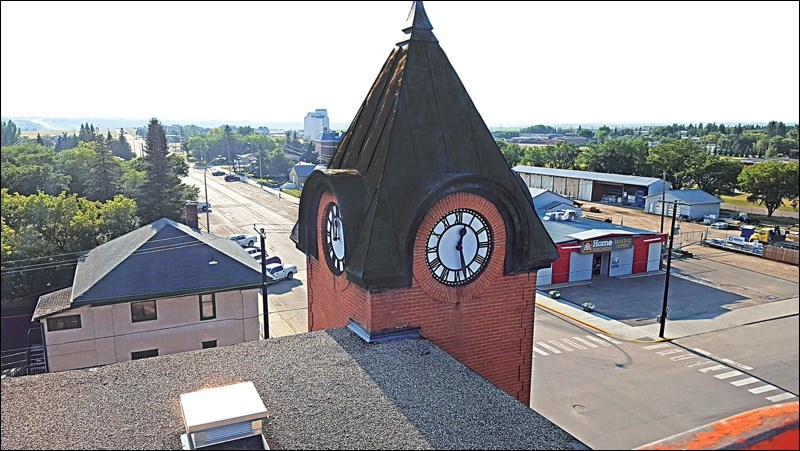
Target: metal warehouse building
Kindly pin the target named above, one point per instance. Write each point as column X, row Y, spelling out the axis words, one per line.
column 692, row 203
column 593, row 186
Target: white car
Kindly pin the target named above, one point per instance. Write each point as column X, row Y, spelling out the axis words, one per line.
column 244, row 240
column 254, row 252
column 719, row 225
column 279, row 271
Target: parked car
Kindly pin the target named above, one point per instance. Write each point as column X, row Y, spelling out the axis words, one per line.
column 280, row 271
column 254, row 252
column 719, row 225
column 232, row 178
column 243, row 240
column 218, row 172
column 204, row 207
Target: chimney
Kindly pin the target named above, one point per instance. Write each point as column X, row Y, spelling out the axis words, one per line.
column 191, row 216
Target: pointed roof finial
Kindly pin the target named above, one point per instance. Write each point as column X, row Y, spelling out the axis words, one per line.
column 418, row 26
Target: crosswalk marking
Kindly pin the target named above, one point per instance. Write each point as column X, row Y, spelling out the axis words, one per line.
column 728, row 375
column 591, row 345
column 548, row 347
column 572, row 343
column 609, row 339
column 562, row 346
column 747, row 381
column 711, row 368
column 597, row 340
column 781, row 397
column 670, row 351
column 656, row 346
column 762, row 389
column 678, row 358
column 539, row 351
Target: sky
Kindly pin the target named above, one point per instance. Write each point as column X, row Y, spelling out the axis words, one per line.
column 522, row 63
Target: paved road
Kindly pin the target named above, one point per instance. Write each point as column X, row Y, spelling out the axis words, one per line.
column 615, row 394
column 236, row 206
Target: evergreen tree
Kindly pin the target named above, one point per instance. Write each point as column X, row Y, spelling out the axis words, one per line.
column 160, row 195
column 10, row 133
column 121, row 148
column 310, row 153
column 105, row 173
column 39, row 139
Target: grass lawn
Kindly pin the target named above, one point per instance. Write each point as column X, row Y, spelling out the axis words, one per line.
column 741, row 199
column 292, row 192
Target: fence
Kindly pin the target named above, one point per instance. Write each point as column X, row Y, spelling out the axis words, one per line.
column 791, row 256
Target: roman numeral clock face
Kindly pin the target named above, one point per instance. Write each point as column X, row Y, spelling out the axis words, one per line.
column 334, row 239
column 459, row 247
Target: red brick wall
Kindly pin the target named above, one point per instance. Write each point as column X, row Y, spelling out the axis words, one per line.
column 487, row 324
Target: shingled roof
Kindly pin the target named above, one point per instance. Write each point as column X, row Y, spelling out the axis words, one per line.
column 162, row 259
column 322, row 390
column 416, row 138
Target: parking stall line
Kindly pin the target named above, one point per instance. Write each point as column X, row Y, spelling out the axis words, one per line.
column 548, row 347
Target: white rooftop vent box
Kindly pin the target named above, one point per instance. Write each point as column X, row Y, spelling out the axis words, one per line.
column 222, row 414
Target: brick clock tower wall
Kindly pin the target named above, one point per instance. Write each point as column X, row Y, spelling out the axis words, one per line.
column 486, row 324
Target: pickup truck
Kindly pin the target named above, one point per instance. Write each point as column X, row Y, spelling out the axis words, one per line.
column 280, row 271
column 244, row 240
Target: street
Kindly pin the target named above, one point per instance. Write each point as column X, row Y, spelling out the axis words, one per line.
column 236, row 207
column 615, row 394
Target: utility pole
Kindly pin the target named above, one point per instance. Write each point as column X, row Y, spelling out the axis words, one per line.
column 663, row 193
column 663, row 317
column 264, row 301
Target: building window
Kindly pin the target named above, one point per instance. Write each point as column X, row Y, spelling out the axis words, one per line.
column 64, row 323
column 143, row 311
column 210, row 344
column 144, row 354
column 208, row 306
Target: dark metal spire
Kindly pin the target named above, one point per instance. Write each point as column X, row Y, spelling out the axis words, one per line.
column 418, row 26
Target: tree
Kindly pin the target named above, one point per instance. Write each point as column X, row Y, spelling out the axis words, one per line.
column 10, row 133
column 511, row 152
column 310, row 153
column 29, row 168
column 105, row 173
column 161, row 195
column 678, row 158
column 64, row 142
column 616, row 156
column 769, row 183
column 717, row 175
column 245, row 130
column 279, row 164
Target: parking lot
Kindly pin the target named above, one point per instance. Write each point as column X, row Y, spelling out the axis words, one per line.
column 705, row 286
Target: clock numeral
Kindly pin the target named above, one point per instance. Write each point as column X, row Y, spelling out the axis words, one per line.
column 481, row 230
column 459, row 217
column 457, row 276
column 446, row 221
column 483, row 245
column 445, row 275
column 480, row 259
column 435, row 264
column 430, row 250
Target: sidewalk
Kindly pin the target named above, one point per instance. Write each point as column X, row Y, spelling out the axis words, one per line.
column 274, row 192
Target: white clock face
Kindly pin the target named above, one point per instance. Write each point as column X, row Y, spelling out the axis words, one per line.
column 459, row 247
column 334, row 238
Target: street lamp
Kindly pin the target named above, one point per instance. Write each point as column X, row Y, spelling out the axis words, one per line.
column 263, row 234
column 205, row 184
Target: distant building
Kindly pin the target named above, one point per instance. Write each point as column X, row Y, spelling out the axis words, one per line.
column 315, row 123
column 300, row 172
column 592, row 186
column 161, row 289
column 693, row 203
column 327, row 144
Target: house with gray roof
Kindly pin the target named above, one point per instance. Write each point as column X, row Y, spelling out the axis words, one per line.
column 160, row 289
column 692, row 203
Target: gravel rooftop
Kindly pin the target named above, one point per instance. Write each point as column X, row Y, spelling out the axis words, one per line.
column 322, row 390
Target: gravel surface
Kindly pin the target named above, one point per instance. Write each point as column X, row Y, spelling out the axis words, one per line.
column 322, row 390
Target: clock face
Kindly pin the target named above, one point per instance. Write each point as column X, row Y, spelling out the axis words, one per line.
column 334, row 238
column 459, row 247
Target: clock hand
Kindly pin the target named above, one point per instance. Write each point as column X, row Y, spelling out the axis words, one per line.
column 335, row 230
column 460, row 249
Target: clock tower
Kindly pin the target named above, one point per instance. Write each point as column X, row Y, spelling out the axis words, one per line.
column 419, row 226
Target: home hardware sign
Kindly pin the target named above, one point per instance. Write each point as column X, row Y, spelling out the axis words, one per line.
column 606, row 245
